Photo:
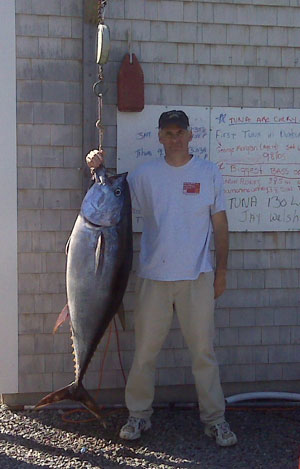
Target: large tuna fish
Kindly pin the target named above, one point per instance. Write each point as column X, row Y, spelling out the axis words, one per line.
column 98, row 265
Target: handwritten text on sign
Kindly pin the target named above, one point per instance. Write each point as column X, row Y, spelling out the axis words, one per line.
column 258, row 153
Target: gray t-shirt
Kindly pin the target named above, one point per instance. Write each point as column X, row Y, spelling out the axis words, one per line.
column 176, row 204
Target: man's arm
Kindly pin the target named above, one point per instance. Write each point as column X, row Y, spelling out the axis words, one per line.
column 221, row 238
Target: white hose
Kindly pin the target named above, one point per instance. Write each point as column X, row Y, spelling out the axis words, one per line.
column 248, row 396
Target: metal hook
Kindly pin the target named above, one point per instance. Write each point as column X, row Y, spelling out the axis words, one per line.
column 100, row 89
column 96, row 89
column 130, row 45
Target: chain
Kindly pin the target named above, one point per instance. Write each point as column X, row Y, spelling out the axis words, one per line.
column 100, row 105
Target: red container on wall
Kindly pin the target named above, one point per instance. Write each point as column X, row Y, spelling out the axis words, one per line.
column 131, row 85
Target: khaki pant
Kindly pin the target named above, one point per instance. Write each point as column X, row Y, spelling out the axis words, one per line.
column 194, row 304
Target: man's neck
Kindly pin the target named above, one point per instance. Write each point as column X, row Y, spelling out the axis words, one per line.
column 177, row 159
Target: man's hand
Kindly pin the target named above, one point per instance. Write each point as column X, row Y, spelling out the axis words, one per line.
column 220, row 282
column 95, row 158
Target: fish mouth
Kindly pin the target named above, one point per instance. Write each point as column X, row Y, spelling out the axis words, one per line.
column 93, row 225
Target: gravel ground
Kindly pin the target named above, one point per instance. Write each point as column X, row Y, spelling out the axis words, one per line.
column 36, row 439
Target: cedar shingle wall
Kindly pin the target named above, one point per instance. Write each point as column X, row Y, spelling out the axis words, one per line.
column 192, row 53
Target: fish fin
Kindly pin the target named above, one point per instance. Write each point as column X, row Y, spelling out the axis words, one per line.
column 99, row 253
column 74, row 392
column 67, row 246
column 121, row 314
column 63, row 316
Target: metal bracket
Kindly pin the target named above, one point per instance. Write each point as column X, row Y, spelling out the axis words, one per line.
column 129, row 42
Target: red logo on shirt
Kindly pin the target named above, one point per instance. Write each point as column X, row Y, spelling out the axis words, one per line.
column 191, row 188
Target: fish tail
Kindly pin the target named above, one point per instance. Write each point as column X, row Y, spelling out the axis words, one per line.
column 74, row 392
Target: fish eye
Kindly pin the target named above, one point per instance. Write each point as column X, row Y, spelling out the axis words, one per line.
column 117, row 192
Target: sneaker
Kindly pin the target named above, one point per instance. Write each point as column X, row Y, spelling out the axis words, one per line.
column 134, row 428
column 221, row 433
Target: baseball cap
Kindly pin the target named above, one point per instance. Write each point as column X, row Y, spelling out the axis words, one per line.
column 173, row 117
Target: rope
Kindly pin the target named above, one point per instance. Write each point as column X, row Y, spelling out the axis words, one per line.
column 103, row 360
column 101, row 9
column 119, row 351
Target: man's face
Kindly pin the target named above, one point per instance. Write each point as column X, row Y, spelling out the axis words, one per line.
column 175, row 139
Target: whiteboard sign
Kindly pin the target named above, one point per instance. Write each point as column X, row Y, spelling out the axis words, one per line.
column 258, row 154
column 256, row 149
column 137, row 138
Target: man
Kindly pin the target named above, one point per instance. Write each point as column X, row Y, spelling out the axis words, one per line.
column 181, row 199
